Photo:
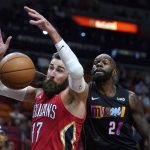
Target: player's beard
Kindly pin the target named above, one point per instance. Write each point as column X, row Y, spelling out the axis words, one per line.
column 102, row 77
column 51, row 88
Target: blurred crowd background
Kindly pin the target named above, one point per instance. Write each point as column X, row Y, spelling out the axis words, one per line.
column 130, row 50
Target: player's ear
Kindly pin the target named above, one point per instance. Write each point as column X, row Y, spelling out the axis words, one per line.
column 115, row 75
column 115, row 72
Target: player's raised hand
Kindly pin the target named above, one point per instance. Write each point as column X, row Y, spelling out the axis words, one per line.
column 4, row 46
column 39, row 20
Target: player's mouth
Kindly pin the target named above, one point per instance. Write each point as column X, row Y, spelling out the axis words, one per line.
column 99, row 70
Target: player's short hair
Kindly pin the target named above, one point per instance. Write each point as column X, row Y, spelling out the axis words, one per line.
column 56, row 55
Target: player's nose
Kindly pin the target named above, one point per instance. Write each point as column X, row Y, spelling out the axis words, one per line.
column 52, row 74
column 100, row 64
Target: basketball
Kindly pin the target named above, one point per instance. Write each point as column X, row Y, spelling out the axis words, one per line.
column 16, row 70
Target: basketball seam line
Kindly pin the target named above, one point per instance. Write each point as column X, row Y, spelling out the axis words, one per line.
column 18, row 83
column 17, row 70
column 14, row 58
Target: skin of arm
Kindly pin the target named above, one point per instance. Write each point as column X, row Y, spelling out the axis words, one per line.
column 4, row 46
column 139, row 120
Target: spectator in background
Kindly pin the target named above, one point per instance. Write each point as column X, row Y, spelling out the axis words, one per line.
column 3, row 138
column 25, row 129
column 1, row 121
column 147, row 80
column 10, row 145
column 141, row 87
column 145, row 99
column 16, row 117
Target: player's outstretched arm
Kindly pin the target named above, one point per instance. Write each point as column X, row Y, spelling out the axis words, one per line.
column 76, row 80
column 139, row 120
column 4, row 46
column 27, row 93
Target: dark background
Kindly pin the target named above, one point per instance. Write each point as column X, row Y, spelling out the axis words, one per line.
column 30, row 40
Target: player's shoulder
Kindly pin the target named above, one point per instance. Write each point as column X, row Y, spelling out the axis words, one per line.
column 132, row 95
column 134, row 102
column 133, row 99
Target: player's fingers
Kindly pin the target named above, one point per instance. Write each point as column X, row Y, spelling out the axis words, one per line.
column 1, row 39
column 36, row 16
column 8, row 41
column 30, row 10
column 33, row 22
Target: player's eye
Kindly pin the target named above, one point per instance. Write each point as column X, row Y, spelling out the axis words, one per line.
column 59, row 70
column 105, row 61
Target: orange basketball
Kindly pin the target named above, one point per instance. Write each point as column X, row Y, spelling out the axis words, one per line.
column 16, row 70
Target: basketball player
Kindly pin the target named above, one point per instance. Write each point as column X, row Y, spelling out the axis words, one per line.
column 60, row 105
column 111, row 111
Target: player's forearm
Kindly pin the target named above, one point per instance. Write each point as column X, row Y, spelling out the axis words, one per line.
column 69, row 58
column 10, row 93
column 55, row 36
column 1, row 56
column 76, row 80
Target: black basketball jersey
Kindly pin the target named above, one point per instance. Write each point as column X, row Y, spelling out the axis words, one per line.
column 108, row 125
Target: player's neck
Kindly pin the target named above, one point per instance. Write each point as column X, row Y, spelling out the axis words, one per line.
column 107, row 89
